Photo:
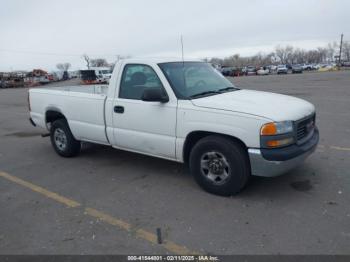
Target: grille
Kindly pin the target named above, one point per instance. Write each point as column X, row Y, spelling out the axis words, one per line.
column 305, row 128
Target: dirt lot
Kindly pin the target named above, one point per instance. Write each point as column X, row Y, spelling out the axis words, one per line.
column 112, row 202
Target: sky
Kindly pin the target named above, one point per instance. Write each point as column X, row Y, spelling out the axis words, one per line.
column 42, row 33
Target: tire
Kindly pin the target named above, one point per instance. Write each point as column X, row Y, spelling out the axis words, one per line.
column 62, row 139
column 220, row 165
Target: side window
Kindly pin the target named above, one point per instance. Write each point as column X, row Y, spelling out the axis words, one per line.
column 135, row 79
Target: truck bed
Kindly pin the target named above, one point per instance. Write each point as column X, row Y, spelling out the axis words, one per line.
column 86, row 89
column 83, row 106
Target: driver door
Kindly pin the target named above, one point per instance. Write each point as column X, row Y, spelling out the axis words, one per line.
column 140, row 126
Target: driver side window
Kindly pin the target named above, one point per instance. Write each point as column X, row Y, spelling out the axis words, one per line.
column 135, row 79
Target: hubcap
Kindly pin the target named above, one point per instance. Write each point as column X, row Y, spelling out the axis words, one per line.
column 60, row 139
column 215, row 167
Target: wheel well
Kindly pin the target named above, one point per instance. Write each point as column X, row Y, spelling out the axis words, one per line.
column 195, row 136
column 52, row 115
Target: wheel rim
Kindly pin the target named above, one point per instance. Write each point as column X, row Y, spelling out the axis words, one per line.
column 214, row 167
column 60, row 139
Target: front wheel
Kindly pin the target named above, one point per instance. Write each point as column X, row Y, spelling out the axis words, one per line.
column 220, row 165
column 63, row 140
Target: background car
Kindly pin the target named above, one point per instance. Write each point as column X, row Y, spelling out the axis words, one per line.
column 297, row 69
column 282, row 69
column 316, row 66
column 227, row 71
column 232, row 71
column 250, row 70
column 237, row 71
column 307, row 67
column 263, row 71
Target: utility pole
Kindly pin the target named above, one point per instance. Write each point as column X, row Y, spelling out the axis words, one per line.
column 341, row 47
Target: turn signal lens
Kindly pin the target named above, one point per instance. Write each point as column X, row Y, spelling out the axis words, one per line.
column 279, row 143
column 269, row 129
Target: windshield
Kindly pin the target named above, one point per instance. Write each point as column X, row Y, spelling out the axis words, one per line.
column 195, row 79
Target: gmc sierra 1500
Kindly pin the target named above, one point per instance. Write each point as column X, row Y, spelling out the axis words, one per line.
column 184, row 111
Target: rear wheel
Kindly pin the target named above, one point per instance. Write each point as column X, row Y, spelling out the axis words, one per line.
column 220, row 165
column 63, row 140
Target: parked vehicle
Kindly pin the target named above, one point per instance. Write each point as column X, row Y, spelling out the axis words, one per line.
column 250, row 70
column 282, row 69
column 272, row 68
column 346, row 63
column 103, row 73
column 263, row 71
column 231, row 71
column 65, row 76
column 307, row 67
column 183, row 111
column 236, row 71
column 96, row 75
column 297, row 69
column 316, row 66
column 227, row 71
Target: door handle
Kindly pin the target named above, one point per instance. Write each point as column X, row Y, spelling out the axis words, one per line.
column 119, row 109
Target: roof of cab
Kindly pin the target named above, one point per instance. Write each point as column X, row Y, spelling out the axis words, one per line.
column 159, row 60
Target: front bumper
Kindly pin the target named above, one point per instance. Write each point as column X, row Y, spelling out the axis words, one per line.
column 292, row 156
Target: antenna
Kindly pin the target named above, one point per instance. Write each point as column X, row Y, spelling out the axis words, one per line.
column 182, row 48
column 183, row 61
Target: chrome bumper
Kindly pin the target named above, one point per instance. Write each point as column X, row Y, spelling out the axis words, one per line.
column 262, row 167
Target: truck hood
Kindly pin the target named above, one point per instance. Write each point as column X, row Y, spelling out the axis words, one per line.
column 273, row 106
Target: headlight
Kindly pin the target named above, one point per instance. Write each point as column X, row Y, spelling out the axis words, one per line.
column 277, row 134
column 276, row 128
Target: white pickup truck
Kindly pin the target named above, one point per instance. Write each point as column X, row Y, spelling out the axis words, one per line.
column 184, row 111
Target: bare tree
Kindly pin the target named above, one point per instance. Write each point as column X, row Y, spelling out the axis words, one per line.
column 98, row 62
column 331, row 50
column 63, row 66
column 346, row 51
column 284, row 54
column 87, row 60
column 217, row 61
column 322, row 54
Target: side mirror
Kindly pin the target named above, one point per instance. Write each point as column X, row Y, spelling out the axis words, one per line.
column 154, row 95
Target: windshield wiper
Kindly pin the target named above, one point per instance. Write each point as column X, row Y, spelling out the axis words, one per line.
column 227, row 89
column 205, row 93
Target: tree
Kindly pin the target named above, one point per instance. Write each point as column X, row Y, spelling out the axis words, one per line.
column 346, row 51
column 87, row 60
column 98, row 62
column 63, row 66
column 217, row 61
column 284, row 54
column 331, row 51
column 322, row 54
